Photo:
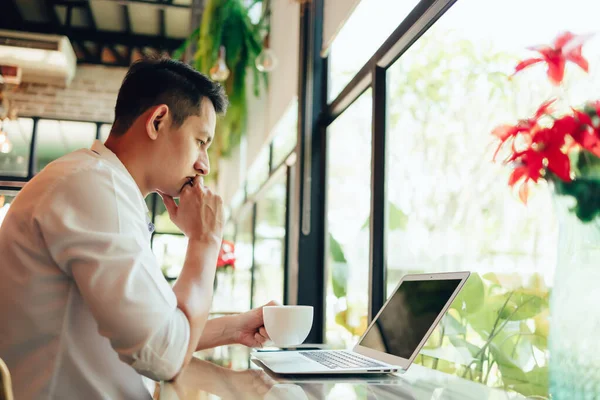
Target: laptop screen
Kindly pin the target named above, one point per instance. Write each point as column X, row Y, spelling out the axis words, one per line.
column 408, row 316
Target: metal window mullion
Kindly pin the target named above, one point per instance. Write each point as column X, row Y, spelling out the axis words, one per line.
column 378, row 194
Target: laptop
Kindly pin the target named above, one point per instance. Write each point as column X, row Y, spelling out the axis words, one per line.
column 392, row 340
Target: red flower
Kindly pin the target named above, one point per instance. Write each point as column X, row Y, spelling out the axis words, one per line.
column 506, row 132
column 545, row 151
column 530, row 168
column 566, row 47
column 226, row 255
column 586, row 135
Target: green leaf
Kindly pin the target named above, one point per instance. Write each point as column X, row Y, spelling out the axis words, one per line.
column 444, row 366
column 339, row 268
column 523, row 305
column 586, row 192
column 335, row 249
column 452, row 326
column 538, row 383
column 588, row 165
column 515, row 340
column 491, row 276
column 460, row 342
column 484, row 320
column 397, row 220
column 178, row 53
column 471, row 297
column 339, row 279
column 511, row 373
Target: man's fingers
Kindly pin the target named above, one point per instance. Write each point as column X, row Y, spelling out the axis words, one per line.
column 170, row 204
column 263, row 332
column 259, row 339
column 198, row 181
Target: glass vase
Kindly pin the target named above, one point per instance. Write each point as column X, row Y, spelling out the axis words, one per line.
column 574, row 341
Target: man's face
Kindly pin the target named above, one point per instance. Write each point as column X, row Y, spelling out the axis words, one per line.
column 183, row 150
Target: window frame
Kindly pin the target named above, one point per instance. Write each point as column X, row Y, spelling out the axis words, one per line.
column 18, row 181
column 315, row 115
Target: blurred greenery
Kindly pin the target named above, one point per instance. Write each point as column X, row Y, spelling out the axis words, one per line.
column 585, row 188
column 503, row 327
column 339, row 268
column 397, row 219
column 499, row 320
column 227, row 23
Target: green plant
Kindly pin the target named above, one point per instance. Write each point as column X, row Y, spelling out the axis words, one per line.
column 227, row 23
column 501, row 323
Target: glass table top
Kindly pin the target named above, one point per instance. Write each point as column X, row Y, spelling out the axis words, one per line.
column 230, row 372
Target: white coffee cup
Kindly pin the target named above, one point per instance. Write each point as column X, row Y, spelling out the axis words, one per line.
column 288, row 325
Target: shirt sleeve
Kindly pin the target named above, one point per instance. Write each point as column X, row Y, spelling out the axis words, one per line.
column 95, row 234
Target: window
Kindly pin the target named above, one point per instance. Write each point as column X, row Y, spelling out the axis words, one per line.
column 6, row 198
column 286, row 134
column 57, row 138
column 162, row 221
column 16, row 161
column 348, row 177
column 367, row 28
column 104, row 132
column 269, row 245
column 170, row 251
column 450, row 207
column 229, row 231
column 237, row 200
column 259, row 171
column 235, row 293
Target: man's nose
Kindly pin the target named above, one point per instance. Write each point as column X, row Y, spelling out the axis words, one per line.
column 202, row 167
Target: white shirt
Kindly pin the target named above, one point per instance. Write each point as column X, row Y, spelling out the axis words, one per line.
column 84, row 308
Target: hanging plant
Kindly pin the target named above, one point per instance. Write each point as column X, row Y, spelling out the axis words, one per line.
column 227, row 31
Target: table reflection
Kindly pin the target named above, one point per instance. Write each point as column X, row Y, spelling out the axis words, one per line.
column 201, row 378
column 229, row 372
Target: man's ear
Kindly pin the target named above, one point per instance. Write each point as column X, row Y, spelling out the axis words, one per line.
column 156, row 120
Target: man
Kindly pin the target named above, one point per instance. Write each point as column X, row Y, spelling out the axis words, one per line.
column 84, row 308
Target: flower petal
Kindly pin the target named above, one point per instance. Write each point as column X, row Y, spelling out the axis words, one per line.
column 526, row 63
column 590, row 140
column 517, row 174
column 567, row 124
column 562, row 39
column 503, row 132
column 578, row 59
column 544, row 108
column 524, row 192
column 558, row 162
column 556, row 70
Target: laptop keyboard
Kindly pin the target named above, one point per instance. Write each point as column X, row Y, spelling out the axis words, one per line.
column 340, row 359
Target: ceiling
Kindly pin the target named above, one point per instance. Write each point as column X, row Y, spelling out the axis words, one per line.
column 108, row 32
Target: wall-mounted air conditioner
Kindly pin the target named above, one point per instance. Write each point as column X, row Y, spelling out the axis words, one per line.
column 47, row 59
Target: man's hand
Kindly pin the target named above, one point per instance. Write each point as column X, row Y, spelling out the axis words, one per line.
column 249, row 329
column 199, row 214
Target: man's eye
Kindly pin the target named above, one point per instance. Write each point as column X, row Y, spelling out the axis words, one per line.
column 201, row 142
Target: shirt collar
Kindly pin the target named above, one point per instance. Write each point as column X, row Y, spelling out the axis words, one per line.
column 99, row 148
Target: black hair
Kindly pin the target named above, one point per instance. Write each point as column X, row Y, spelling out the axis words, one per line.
column 150, row 82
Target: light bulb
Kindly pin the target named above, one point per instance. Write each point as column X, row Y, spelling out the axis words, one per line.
column 266, row 60
column 5, row 144
column 219, row 72
column 6, row 147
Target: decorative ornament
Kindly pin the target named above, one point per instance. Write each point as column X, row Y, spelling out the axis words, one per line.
column 220, row 72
